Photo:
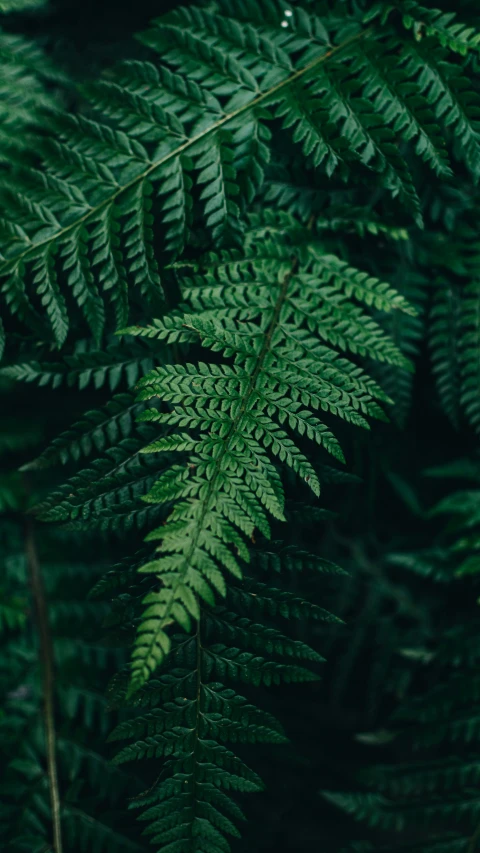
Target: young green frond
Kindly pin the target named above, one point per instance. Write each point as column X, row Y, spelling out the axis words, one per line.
column 277, row 322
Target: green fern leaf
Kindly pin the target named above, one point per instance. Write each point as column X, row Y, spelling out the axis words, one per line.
column 160, row 146
column 242, row 411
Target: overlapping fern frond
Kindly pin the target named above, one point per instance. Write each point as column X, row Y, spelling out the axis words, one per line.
column 114, row 367
column 189, row 137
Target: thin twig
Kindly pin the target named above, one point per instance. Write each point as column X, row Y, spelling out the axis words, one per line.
column 46, row 660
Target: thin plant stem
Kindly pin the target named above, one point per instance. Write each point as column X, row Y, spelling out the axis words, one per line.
column 48, row 678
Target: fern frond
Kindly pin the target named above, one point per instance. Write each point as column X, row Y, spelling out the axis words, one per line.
column 425, row 21
column 82, row 666
column 406, row 109
column 281, row 373
column 24, row 77
column 189, row 137
column 191, row 803
column 407, row 331
column 450, row 96
column 111, row 367
column 96, row 431
column 106, row 495
column 275, row 330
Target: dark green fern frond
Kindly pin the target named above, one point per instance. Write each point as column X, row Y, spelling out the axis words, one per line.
column 186, row 140
column 106, row 495
column 112, row 366
column 261, row 598
column 270, row 222
column 242, row 199
column 24, row 75
column 191, row 715
column 98, row 430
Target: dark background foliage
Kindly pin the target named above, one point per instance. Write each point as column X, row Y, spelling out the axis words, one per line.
column 386, row 608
